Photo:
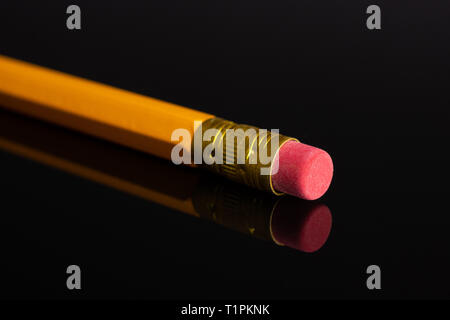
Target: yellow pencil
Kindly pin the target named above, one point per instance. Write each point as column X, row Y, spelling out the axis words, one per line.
column 149, row 124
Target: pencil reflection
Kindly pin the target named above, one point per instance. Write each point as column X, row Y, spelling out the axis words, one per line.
column 289, row 221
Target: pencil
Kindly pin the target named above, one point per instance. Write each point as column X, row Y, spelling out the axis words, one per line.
column 151, row 125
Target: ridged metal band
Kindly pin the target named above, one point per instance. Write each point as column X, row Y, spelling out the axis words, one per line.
column 240, row 160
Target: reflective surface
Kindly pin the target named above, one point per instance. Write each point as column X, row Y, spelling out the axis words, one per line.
column 299, row 224
column 376, row 101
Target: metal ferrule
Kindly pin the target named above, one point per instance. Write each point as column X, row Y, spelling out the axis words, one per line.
column 240, row 152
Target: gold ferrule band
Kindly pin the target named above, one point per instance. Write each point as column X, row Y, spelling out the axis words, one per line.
column 240, row 152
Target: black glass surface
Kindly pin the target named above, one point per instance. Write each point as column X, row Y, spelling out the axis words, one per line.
column 378, row 102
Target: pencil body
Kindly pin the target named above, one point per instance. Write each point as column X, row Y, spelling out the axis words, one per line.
column 117, row 115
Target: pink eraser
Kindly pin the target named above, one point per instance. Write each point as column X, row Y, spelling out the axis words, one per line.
column 301, row 226
column 303, row 171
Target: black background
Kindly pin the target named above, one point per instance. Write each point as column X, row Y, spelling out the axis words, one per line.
column 377, row 101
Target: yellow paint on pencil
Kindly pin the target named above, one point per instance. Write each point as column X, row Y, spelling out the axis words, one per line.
column 121, row 116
